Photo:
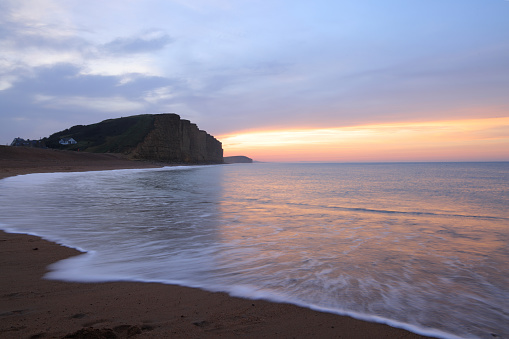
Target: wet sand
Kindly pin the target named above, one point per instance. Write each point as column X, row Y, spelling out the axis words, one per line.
column 33, row 307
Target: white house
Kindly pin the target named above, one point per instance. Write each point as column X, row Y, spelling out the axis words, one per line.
column 67, row 141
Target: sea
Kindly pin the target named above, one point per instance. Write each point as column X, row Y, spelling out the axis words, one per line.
column 421, row 246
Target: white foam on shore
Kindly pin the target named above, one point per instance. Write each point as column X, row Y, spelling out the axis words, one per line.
column 72, row 270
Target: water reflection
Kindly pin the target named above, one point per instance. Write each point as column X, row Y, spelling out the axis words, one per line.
column 398, row 245
column 146, row 224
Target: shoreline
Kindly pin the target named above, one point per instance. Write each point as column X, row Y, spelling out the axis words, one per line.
column 35, row 307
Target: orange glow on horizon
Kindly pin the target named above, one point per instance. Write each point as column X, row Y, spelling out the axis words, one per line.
column 454, row 140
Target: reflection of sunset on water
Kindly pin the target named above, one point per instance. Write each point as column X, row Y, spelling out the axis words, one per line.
column 455, row 140
column 413, row 236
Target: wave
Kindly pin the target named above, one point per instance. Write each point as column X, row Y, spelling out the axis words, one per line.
column 382, row 211
column 370, row 210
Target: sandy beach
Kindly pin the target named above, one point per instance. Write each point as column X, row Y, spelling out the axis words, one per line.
column 33, row 307
column 24, row 160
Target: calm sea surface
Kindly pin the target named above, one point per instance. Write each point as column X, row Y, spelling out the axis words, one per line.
column 422, row 246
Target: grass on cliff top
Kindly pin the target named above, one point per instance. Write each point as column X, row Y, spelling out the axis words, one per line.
column 113, row 135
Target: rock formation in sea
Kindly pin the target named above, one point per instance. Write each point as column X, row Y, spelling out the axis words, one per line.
column 159, row 137
column 237, row 159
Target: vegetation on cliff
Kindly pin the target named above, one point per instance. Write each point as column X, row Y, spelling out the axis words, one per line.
column 120, row 135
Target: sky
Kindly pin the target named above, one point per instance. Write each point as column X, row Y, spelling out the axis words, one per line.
column 322, row 80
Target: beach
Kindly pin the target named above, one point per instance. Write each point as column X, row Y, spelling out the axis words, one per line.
column 25, row 160
column 33, row 307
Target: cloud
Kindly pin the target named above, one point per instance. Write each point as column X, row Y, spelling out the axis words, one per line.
column 64, row 79
column 150, row 42
column 43, row 33
column 61, row 96
column 102, row 104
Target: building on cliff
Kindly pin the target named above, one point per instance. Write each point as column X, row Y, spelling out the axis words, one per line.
column 67, row 141
column 27, row 143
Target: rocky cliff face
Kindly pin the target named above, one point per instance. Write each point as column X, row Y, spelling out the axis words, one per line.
column 176, row 140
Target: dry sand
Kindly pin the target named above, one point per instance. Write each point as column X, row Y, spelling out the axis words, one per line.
column 32, row 307
column 24, row 160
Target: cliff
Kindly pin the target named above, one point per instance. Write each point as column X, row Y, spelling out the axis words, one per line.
column 160, row 137
column 176, row 140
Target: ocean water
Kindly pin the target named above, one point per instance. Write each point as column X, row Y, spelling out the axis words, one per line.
column 423, row 246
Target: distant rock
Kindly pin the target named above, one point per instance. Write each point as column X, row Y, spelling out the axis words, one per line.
column 237, row 159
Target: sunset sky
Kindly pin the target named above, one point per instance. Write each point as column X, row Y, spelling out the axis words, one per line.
column 362, row 80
